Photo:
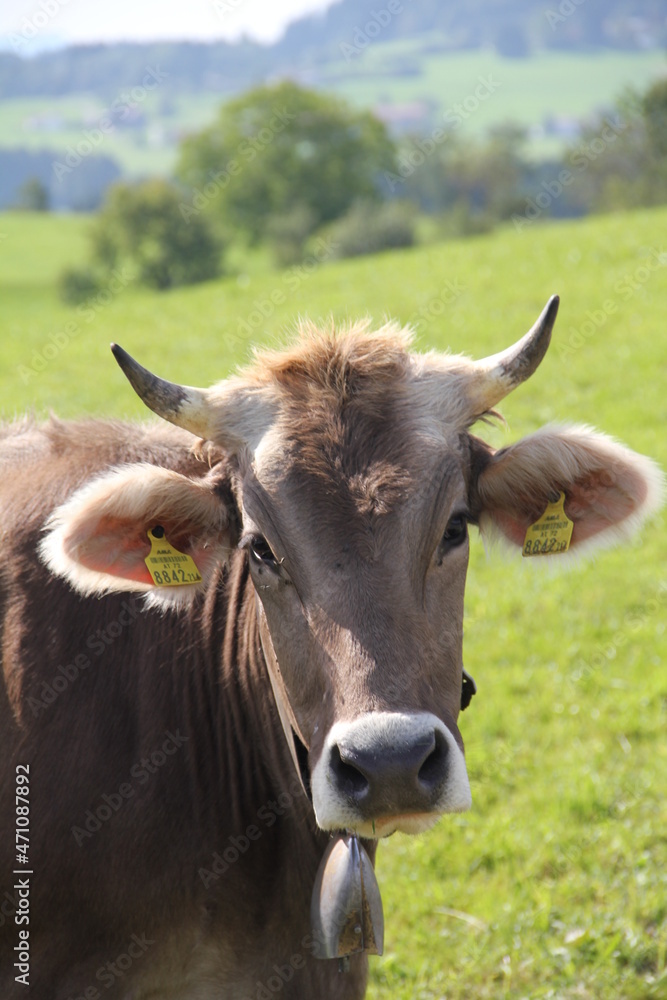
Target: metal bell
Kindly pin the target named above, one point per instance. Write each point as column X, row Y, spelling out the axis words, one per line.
column 346, row 908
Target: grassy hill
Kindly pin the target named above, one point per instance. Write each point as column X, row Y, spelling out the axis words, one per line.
column 555, row 884
column 548, row 92
column 553, row 66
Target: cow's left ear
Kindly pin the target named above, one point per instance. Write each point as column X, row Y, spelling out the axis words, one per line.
column 99, row 539
column 609, row 490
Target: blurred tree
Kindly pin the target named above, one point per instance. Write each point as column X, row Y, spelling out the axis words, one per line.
column 511, row 40
column 284, row 149
column 33, row 196
column 78, row 284
column 141, row 224
column 287, row 234
column 369, row 228
column 480, row 181
column 620, row 160
column 654, row 109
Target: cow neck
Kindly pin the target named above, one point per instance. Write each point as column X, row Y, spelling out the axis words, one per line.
column 254, row 737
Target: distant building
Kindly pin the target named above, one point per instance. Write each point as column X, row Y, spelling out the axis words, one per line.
column 403, row 116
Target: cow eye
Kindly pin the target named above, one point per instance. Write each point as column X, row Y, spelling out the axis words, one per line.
column 455, row 534
column 260, row 552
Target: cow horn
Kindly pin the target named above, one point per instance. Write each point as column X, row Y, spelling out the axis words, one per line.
column 182, row 405
column 494, row 377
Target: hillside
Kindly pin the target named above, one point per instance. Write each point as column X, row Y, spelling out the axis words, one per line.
column 505, row 274
column 549, row 93
column 77, row 117
column 553, row 886
column 514, row 28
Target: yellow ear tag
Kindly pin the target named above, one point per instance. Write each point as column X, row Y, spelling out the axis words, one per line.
column 551, row 533
column 167, row 566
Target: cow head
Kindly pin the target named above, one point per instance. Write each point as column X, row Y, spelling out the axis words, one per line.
column 355, row 478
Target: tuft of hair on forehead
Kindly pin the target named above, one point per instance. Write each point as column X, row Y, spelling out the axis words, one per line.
column 339, row 359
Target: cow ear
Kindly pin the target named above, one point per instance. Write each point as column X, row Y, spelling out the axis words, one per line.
column 609, row 490
column 98, row 540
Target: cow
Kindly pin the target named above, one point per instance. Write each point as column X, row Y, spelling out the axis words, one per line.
column 235, row 634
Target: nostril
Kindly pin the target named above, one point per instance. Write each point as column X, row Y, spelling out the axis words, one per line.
column 349, row 778
column 434, row 768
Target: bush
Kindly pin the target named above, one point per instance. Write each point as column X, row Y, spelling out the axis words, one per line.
column 288, row 233
column 33, row 196
column 461, row 221
column 142, row 225
column 76, row 285
column 368, row 228
column 632, row 171
column 654, row 111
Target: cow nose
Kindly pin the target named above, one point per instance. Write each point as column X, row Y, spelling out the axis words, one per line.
column 406, row 777
column 402, row 766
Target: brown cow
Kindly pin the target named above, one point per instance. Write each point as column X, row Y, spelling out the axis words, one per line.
column 164, row 722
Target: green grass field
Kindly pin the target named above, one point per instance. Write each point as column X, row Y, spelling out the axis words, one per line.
column 526, row 91
column 55, row 123
column 555, row 884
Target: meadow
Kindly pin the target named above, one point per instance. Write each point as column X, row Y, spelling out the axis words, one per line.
column 547, row 85
column 555, row 884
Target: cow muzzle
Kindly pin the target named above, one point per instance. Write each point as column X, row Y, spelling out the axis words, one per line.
column 389, row 771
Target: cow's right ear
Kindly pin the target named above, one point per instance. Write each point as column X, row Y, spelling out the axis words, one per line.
column 98, row 540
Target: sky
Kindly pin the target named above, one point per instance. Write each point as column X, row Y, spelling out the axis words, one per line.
column 28, row 26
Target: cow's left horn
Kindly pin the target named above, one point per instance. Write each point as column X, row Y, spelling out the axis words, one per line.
column 182, row 405
column 494, row 377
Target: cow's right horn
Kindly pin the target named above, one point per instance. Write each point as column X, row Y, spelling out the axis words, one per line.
column 182, row 405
